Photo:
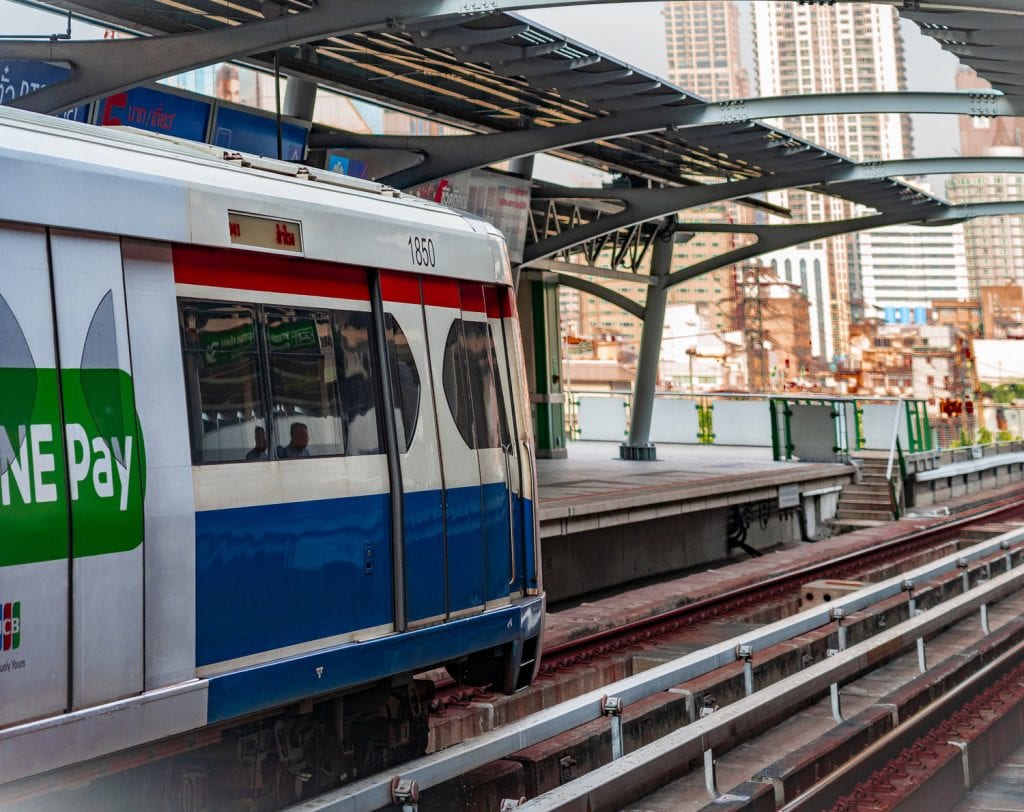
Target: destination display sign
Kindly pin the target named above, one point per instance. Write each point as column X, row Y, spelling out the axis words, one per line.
column 265, row 232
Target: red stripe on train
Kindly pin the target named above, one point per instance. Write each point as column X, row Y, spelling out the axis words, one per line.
column 245, row 270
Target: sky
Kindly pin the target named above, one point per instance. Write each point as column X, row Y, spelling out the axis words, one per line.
column 641, row 44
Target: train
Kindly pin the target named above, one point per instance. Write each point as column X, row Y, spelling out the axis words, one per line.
column 265, row 456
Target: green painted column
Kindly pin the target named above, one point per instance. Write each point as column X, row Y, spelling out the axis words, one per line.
column 537, row 300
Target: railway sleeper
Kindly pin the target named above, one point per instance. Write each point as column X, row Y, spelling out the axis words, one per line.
column 798, row 771
column 550, row 764
column 945, row 750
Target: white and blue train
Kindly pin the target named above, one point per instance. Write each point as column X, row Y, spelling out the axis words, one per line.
column 265, row 447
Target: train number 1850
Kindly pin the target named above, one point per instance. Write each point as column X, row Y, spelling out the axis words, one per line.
column 421, row 252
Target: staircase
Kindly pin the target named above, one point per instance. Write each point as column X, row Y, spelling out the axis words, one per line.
column 867, row 503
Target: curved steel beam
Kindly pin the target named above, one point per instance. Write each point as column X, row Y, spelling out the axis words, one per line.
column 100, row 67
column 601, row 292
column 648, row 204
column 447, row 154
column 775, row 237
column 970, row 211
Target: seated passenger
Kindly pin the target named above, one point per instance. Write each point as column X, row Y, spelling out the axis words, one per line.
column 297, row 446
column 259, row 451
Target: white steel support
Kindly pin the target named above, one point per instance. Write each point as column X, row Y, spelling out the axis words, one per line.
column 639, row 445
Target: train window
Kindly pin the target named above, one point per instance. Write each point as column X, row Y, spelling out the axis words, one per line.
column 358, row 382
column 303, row 382
column 223, row 382
column 405, row 381
column 455, row 378
column 471, row 387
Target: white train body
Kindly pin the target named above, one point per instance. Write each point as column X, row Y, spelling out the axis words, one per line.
column 213, row 503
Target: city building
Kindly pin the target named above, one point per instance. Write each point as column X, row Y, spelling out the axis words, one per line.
column 842, row 48
column 703, row 44
column 907, row 266
column 1002, row 311
column 808, row 267
column 964, row 315
column 994, row 245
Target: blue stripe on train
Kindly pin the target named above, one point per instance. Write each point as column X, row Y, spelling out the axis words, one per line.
column 320, row 672
column 278, row 575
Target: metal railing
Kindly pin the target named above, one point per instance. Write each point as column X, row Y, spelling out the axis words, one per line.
column 377, row 791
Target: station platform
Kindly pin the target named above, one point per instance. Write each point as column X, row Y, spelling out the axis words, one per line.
column 605, row 521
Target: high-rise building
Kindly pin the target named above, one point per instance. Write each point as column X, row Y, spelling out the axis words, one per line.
column 995, row 245
column 845, row 48
column 702, row 41
column 908, row 266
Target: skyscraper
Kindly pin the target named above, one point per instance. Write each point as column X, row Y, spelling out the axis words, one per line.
column 803, row 49
column 702, row 41
column 995, row 245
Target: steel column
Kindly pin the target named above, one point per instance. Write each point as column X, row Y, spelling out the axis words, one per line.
column 639, row 446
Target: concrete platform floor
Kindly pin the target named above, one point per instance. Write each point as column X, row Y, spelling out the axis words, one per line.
column 593, row 470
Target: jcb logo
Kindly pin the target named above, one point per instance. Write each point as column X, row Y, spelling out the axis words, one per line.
column 10, row 625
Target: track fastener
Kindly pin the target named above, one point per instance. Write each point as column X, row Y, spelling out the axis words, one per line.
column 745, row 652
column 405, row 791
column 838, row 614
column 612, row 706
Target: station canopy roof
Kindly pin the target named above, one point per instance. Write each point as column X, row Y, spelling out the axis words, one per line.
column 500, row 71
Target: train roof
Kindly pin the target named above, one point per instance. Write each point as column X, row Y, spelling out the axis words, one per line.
column 126, row 182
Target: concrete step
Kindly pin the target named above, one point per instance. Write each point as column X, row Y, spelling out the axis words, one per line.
column 859, row 513
column 865, row 490
column 865, row 503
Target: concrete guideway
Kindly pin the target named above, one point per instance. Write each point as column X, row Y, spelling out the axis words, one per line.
column 457, row 760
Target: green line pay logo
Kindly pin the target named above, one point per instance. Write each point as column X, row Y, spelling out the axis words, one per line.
column 29, row 465
column 71, row 435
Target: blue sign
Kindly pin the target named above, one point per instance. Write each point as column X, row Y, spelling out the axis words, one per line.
column 158, row 112
column 347, row 166
column 19, row 77
column 906, row 315
column 245, row 132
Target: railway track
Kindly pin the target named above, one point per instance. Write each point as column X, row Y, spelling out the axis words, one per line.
column 571, row 738
column 683, row 697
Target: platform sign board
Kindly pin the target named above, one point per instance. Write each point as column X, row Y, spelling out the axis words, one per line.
column 157, row 111
column 502, row 201
column 789, row 496
column 19, row 77
column 249, row 132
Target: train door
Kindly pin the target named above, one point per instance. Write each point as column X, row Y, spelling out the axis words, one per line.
column 103, row 450
column 34, row 542
column 496, row 455
column 424, row 565
column 464, row 548
column 507, row 363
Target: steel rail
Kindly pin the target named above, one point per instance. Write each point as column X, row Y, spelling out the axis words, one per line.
column 609, row 786
column 824, row 793
column 376, row 791
column 796, row 577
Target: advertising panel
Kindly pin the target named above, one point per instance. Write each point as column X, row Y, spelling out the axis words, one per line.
column 501, row 200
column 19, row 77
column 157, row 111
column 248, row 132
